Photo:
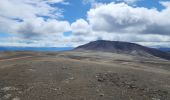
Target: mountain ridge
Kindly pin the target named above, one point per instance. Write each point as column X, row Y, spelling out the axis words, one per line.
column 124, row 48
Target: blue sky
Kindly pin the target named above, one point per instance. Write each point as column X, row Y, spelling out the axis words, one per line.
column 78, row 9
column 62, row 23
column 75, row 10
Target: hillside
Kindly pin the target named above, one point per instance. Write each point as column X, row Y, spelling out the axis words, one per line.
column 123, row 48
column 74, row 75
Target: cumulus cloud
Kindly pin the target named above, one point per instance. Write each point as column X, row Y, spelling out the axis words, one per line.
column 123, row 18
column 80, row 27
column 121, row 22
column 38, row 23
column 96, row 2
column 23, row 9
column 129, row 1
column 32, row 17
column 34, row 23
column 165, row 3
column 38, row 26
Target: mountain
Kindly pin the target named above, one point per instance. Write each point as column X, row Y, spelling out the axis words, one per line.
column 123, row 48
column 164, row 49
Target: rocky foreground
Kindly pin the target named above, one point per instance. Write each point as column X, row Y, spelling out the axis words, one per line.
column 82, row 76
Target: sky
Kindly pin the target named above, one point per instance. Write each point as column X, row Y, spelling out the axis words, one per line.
column 70, row 23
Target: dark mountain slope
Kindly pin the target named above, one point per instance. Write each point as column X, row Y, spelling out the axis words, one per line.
column 164, row 49
column 123, row 47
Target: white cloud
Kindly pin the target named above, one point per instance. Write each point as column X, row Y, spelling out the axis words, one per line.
column 96, row 2
column 38, row 26
column 80, row 27
column 37, row 23
column 126, row 19
column 24, row 9
column 53, row 1
column 129, row 1
column 31, row 17
column 121, row 22
column 165, row 3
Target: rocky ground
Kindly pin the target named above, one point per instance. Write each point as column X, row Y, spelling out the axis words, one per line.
column 82, row 76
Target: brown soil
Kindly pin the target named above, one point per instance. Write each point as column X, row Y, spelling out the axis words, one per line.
column 82, row 76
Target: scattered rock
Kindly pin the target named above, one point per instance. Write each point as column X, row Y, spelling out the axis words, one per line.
column 101, row 94
column 97, row 90
column 61, row 93
column 71, row 78
column 130, row 84
column 16, row 98
column 64, row 67
column 9, row 89
column 7, row 96
column 100, row 79
column 32, row 70
column 155, row 99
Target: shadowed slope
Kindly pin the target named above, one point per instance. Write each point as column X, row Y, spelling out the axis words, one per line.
column 123, row 47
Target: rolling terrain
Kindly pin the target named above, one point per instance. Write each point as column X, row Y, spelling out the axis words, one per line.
column 82, row 75
column 123, row 48
column 100, row 70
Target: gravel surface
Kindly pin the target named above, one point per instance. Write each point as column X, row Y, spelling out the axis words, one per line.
column 83, row 76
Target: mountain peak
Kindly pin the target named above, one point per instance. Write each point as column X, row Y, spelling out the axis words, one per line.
column 123, row 48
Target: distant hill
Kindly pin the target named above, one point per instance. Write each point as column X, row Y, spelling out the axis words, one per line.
column 164, row 49
column 123, row 47
column 13, row 48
